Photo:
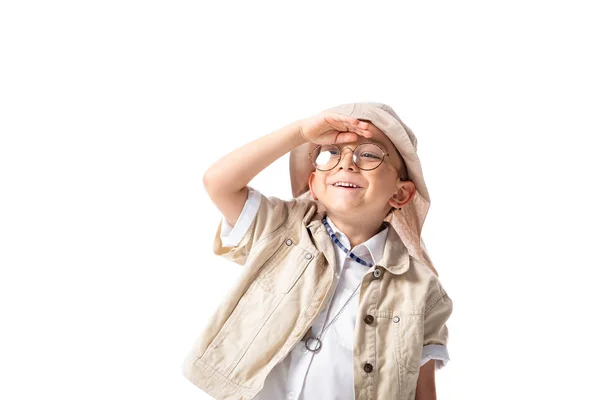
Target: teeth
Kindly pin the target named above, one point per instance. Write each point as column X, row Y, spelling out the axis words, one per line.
column 344, row 184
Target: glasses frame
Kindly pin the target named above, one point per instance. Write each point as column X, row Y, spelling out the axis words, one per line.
column 310, row 157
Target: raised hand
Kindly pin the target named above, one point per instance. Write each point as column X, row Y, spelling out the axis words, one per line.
column 330, row 128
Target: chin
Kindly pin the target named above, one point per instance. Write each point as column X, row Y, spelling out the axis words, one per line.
column 341, row 207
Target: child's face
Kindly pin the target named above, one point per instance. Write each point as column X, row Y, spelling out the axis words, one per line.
column 380, row 188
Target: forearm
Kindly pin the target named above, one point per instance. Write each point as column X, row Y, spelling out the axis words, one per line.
column 425, row 393
column 426, row 382
column 235, row 170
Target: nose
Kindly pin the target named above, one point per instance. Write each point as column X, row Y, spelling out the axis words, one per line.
column 347, row 162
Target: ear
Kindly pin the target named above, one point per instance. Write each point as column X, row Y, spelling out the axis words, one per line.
column 311, row 178
column 406, row 191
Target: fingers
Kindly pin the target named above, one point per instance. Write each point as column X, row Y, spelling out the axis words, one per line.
column 345, row 123
column 344, row 137
column 360, row 127
column 363, row 131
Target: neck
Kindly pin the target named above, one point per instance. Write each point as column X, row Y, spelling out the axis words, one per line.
column 358, row 231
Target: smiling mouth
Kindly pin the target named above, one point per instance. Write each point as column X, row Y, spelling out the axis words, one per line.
column 346, row 187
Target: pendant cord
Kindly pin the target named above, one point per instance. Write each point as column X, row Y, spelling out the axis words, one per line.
column 355, row 258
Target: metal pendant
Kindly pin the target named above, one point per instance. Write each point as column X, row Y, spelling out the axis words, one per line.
column 313, row 344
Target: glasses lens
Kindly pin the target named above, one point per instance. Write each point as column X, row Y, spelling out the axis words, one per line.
column 366, row 156
column 325, row 157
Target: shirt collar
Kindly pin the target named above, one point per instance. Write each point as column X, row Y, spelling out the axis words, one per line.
column 373, row 247
column 395, row 258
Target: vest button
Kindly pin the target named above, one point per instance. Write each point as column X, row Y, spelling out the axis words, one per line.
column 396, row 319
column 377, row 273
column 368, row 368
column 369, row 319
column 308, row 256
column 288, row 242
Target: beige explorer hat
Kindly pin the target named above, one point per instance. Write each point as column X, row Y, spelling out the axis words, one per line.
column 407, row 221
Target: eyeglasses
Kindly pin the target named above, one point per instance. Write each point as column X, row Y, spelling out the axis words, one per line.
column 366, row 156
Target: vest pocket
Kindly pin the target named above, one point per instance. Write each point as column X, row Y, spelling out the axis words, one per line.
column 281, row 271
column 408, row 339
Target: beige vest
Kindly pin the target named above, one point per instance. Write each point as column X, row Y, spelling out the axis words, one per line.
column 287, row 281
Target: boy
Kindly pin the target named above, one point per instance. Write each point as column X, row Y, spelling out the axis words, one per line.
column 332, row 303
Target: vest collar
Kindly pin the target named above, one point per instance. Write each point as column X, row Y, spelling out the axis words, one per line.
column 395, row 257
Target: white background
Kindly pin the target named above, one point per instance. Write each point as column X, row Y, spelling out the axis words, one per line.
column 110, row 113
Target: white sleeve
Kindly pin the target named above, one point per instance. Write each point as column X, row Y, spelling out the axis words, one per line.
column 231, row 235
column 437, row 352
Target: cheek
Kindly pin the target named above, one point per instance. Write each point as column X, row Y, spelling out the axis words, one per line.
column 317, row 182
column 320, row 180
column 383, row 182
column 321, row 185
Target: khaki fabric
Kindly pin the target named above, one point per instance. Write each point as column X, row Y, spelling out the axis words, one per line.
column 286, row 281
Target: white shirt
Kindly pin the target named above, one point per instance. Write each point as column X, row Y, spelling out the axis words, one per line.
column 328, row 374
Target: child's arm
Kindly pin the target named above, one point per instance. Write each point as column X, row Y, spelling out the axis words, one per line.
column 225, row 181
column 426, row 382
column 435, row 334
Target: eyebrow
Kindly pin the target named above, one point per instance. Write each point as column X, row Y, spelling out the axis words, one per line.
column 372, row 141
column 377, row 142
